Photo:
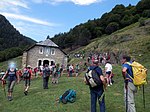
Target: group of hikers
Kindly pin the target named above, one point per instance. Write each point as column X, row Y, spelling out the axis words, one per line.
column 134, row 75
column 15, row 76
column 71, row 69
column 96, row 90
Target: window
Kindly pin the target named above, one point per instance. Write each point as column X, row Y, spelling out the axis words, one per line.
column 41, row 50
column 53, row 51
column 47, row 51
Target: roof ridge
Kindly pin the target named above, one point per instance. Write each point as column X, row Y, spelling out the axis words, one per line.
column 47, row 42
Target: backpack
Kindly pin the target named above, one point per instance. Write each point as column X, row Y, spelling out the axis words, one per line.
column 46, row 71
column 1, row 75
column 139, row 74
column 26, row 74
column 92, row 79
column 68, row 96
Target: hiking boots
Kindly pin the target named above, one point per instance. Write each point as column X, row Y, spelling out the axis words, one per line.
column 10, row 98
column 26, row 92
column 110, row 83
column 55, row 82
column 45, row 88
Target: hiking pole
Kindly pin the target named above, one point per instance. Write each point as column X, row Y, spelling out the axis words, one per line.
column 126, row 86
column 101, row 97
column 143, row 97
column 3, row 86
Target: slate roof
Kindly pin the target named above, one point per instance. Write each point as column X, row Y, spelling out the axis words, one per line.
column 47, row 42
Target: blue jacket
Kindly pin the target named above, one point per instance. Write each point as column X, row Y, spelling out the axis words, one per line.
column 129, row 71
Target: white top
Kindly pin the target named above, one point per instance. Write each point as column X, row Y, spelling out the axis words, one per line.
column 70, row 67
column 108, row 67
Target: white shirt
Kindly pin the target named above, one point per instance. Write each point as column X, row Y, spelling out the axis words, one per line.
column 70, row 67
column 108, row 67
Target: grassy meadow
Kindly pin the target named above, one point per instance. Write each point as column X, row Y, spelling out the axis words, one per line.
column 40, row 100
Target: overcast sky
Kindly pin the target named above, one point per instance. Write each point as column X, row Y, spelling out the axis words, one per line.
column 38, row 18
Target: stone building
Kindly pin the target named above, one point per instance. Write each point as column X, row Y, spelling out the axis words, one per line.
column 45, row 52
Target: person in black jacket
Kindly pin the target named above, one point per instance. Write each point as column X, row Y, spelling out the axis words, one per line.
column 46, row 74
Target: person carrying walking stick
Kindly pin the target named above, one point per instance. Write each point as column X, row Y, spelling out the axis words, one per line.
column 129, row 88
column 12, row 77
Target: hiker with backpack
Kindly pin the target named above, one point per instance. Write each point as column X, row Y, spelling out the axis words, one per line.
column 108, row 72
column 61, row 69
column 12, row 77
column 97, row 83
column 19, row 72
column 129, row 88
column 77, row 68
column 56, row 74
column 46, row 74
column 58, row 70
column 71, row 69
column 27, row 72
column 35, row 72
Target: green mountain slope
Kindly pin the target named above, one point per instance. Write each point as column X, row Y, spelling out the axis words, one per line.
column 133, row 40
column 12, row 43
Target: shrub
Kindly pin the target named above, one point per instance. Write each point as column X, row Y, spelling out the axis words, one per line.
column 142, row 22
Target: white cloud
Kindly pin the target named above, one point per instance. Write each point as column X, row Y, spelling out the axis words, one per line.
column 78, row 2
column 29, row 19
column 12, row 5
column 25, row 24
column 11, row 9
column 85, row 2
column 18, row 3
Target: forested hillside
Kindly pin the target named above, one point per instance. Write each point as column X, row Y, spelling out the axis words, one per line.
column 12, row 43
column 118, row 18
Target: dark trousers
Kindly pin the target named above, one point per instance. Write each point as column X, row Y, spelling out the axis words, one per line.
column 70, row 73
column 95, row 95
column 45, row 82
column 27, row 82
column 11, row 85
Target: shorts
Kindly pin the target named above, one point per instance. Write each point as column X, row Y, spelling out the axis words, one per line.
column 108, row 72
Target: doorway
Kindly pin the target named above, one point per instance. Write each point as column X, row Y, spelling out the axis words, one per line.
column 45, row 62
column 52, row 63
column 39, row 62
